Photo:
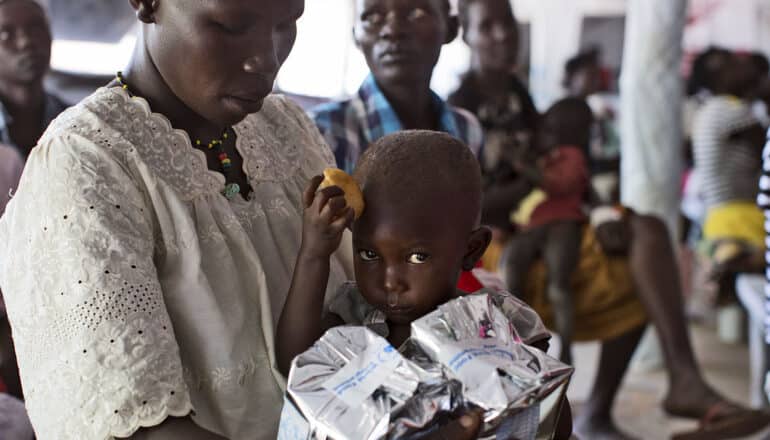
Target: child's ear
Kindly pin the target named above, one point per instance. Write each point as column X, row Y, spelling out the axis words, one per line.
column 477, row 245
column 453, row 28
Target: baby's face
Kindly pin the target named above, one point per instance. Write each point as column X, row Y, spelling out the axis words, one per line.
column 408, row 258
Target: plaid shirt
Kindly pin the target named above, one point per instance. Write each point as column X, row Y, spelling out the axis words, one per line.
column 350, row 126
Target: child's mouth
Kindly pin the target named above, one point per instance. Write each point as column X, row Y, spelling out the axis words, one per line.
column 399, row 310
column 394, row 308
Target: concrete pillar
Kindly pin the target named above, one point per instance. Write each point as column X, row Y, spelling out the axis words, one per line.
column 651, row 108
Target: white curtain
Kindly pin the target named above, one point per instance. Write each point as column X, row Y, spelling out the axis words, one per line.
column 556, row 29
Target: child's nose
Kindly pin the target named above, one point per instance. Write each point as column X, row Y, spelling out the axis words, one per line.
column 394, row 282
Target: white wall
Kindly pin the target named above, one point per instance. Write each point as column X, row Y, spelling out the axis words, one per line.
column 735, row 24
column 325, row 47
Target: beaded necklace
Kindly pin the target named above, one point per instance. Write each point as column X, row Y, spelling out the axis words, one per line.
column 231, row 189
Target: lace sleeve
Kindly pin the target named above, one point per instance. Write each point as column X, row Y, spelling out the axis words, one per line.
column 95, row 346
column 318, row 154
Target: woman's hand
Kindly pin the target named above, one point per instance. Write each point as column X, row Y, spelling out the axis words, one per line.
column 325, row 219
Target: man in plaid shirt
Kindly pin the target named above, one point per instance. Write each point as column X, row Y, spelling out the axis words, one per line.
column 401, row 45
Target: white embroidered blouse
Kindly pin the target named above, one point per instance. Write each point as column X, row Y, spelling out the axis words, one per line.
column 135, row 290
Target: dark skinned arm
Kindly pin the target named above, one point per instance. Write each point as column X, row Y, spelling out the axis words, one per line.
column 754, row 135
column 301, row 323
column 175, row 428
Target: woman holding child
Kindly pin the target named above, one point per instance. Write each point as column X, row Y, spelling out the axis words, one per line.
column 146, row 256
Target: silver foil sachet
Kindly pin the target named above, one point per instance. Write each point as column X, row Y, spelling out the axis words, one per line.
column 480, row 340
column 353, row 385
column 470, row 353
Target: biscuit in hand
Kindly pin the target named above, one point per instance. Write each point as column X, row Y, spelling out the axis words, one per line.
column 353, row 196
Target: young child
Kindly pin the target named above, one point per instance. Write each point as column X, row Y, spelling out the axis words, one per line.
column 419, row 229
column 552, row 229
column 727, row 142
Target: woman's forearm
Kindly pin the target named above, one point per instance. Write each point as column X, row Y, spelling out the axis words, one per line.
column 175, row 429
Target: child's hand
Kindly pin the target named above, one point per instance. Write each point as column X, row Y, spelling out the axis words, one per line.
column 466, row 427
column 326, row 217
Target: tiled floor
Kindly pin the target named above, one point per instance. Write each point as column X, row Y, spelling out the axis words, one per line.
column 637, row 409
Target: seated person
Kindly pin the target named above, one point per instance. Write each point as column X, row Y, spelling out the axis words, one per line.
column 626, row 275
column 727, row 143
column 553, row 226
column 401, row 41
column 491, row 91
column 498, row 98
column 585, row 79
column 409, row 251
column 26, row 109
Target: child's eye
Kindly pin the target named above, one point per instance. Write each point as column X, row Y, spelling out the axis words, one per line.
column 418, row 258
column 367, row 255
column 416, row 14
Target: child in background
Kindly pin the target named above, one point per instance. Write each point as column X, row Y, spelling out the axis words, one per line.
column 552, row 225
column 419, row 229
column 727, row 143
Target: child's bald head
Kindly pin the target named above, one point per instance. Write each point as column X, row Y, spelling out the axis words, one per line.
column 420, row 228
column 420, row 168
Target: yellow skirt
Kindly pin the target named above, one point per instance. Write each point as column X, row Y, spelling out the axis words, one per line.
column 742, row 221
column 606, row 304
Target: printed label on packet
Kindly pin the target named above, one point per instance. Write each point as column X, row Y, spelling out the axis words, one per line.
column 293, row 426
column 481, row 357
column 357, row 380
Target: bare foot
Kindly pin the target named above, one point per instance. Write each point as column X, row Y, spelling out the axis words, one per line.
column 598, row 428
column 694, row 400
column 719, row 418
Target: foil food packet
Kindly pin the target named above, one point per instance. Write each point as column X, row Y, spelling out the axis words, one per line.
column 477, row 339
column 353, row 385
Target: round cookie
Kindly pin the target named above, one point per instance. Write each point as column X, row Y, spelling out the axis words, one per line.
column 353, row 196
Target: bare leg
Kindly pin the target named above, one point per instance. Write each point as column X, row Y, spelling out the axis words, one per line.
column 561, row 253
column 521, row 251
column 595, row 418
column 655, row 271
